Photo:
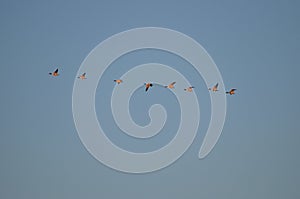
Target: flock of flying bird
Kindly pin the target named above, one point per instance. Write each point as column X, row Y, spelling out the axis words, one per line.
column 148, row 85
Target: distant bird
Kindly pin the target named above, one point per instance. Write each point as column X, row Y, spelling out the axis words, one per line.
column 214, row 88
column 82, row 76
column 148, row 85
column 171, row 85
column 231, row 92
column 189, row 89
column 118, row 81
column 55, row 73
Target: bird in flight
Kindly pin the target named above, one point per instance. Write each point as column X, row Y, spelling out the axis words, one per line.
column 231, row 92
column 55, row 73
column 118, row 81
column 82, row 76
column 214, row 88
column 148, row 85
column 189, row 89
column 171, row 85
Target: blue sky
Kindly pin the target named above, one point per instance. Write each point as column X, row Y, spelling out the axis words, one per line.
column 255, row 45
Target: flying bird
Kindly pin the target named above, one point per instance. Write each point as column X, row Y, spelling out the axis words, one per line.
column 171, row 85
column 189, row 89
column 214, row 88
column 118, row 81
column 82, row 76
column 148, row 85
column 231, row 92
column 55, row 73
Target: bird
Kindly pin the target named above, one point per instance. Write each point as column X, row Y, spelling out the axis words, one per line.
column 231, row 92
column 189, row 89
column 171, row 85
column 148, row 85
column 55, row 73
column 118, row 81
column 214, row 88
column 82, row 76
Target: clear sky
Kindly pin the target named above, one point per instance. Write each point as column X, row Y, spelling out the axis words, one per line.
column 255, row 45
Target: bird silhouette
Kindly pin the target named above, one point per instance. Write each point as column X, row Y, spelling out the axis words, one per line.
column 82, row 76
column 214, row 88
column 171, row 85
column 189, row 89
column 55, row 73
column 231, row 92
column 148, row 85
column 118, row 81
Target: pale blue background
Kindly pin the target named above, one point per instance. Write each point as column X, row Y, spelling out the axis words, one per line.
column 255, row 44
